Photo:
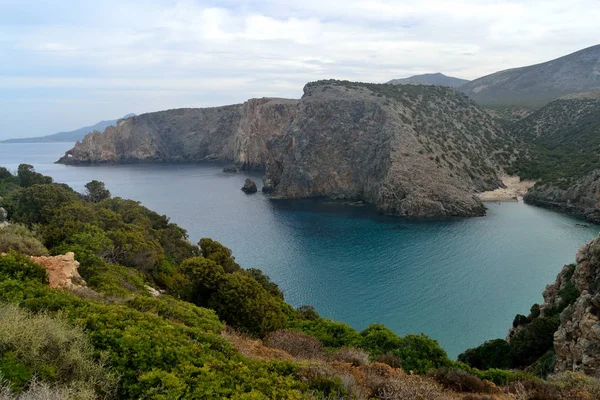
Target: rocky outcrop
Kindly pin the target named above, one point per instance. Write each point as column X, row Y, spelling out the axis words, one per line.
column 577, row 340
column 420, row 151
column 231, row 169
column 582, row 197
column 3, row 217
column 237, row 133
column 62, row 271
column 249, row 186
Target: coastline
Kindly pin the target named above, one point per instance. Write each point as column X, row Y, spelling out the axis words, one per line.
column 514, row 190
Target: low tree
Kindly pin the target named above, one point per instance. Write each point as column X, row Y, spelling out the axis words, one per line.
column 96, row 191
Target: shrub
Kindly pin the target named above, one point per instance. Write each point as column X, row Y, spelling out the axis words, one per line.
column 307, row 312
column 378, row 339
column 350, row 355
column 264, row 281
column 420, row 354
column 533, row 341
column 200, row 278
column 20, row 239
column 295, row 343
column 38, row 204
column 218, row 253
column 244, row 304
column 95, row 191
column 491, row 354
column 390, row 359
column 332, row 334
column 51, row 349
column 21, row 268
column 460, row 381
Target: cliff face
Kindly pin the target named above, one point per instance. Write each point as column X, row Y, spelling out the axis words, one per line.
column 236, row 133
column 411, row 150
column 577, row 340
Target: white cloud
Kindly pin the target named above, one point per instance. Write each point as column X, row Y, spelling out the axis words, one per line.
column 195, row 52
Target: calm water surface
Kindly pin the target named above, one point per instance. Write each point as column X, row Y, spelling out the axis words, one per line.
column 460, row 281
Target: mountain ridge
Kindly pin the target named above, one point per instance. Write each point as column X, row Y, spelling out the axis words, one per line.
column 538, row 84
column 436, row 78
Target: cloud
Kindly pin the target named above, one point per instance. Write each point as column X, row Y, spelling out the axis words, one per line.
column 134, row 56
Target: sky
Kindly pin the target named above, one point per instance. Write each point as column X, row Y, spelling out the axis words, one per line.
column 68, row 64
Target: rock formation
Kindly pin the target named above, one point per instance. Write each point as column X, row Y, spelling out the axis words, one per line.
column 419, row 151
column 231, row 169
column 412, row 150
column 577, row 340
column 237, row 133
column 62, row 271
column 249, row 186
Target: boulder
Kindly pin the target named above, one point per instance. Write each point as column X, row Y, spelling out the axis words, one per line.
column 232, row 169
column 3, row 215
column 62, row 271
column 268, row 185
column 249, row 186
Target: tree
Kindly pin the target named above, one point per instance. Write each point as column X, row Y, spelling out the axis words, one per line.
column 28, row 177
column 96, row 191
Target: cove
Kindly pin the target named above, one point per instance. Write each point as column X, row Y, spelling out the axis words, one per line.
column 460, row 281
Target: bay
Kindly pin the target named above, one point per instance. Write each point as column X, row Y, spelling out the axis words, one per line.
column 460, row 281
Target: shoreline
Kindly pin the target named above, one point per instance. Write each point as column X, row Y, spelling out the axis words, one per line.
column 513, row 191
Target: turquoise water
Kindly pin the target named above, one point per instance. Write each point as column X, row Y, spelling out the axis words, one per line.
column 460, row 281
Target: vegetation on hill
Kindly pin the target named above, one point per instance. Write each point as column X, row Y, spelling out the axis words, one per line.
column 565, row 141
column 115, row 340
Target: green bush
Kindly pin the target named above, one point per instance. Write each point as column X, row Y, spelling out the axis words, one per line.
column 491, row 354
column 18, row 238
column 533, row 341
column 244, row 304
column 218, row 253
column 19, row 267
column 332, row 334
column 51, row 349
column 378, row 339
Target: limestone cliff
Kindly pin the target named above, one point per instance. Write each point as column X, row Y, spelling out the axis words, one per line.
column 577, row 340
column 236, row 133
column 411, row 150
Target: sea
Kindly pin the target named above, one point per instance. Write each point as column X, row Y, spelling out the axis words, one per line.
column 460, row 280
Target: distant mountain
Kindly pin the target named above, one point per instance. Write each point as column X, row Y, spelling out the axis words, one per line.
column 437, row 79
column 71, row 136
column 536, row 85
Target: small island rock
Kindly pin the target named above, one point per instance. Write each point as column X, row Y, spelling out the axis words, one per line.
column 249, row 186
column 232, row 169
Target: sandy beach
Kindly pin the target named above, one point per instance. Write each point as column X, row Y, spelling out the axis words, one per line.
column 514, row 191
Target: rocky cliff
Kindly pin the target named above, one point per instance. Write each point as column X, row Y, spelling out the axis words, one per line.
column 411, row 150
column 236, row 133
column 577, row 340
column 536, row 85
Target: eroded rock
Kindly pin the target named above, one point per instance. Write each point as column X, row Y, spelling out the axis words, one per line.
column 249, row 186
column 62, row 271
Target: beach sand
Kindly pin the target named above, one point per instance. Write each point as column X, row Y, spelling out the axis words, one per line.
column 514, row 190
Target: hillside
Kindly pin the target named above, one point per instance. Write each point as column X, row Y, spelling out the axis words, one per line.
column 536, row 85
column 71, row 136
column 144, row 313
column 565, row 142
column 438, row 79
column 342, row 140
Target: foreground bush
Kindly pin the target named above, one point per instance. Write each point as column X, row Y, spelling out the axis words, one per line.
column 18, row 238
column 295, row 343
column 48, row 347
